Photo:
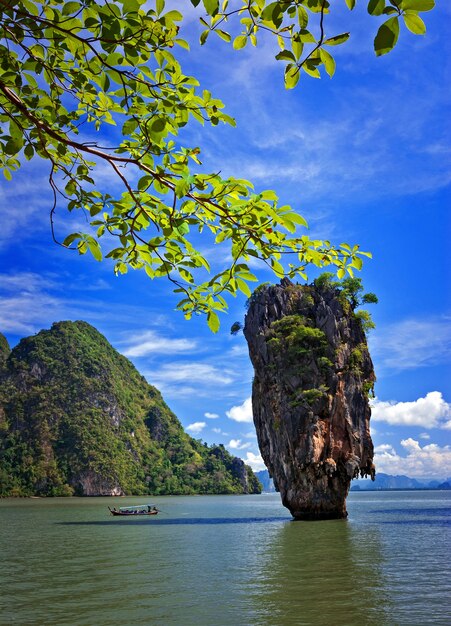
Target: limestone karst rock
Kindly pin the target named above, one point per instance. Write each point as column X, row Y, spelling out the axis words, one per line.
column 313, row 375
column 76, row 417
column 4, row 349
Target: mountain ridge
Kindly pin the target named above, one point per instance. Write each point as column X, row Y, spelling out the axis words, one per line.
column 77, row 418
column 381, row 483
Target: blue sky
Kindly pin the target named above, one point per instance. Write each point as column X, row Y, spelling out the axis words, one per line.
column 365, row 157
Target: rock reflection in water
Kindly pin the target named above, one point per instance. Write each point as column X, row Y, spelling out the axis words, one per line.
column 320, row 573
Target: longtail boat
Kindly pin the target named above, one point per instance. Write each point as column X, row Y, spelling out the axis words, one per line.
column 143, row 509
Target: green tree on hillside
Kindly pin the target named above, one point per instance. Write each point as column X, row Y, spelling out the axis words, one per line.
column 86, row 83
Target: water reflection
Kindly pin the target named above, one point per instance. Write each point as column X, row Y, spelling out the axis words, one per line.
column 320, row 573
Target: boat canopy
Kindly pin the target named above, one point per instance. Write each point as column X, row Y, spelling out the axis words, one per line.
column 135, row 508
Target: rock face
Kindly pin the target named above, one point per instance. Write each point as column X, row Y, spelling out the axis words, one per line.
column 266, row 481
column 313, row 375
column 4, row 349
column 76, row 417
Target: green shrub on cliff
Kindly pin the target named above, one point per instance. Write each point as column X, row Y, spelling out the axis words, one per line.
column 292, row 338
column 351, row 296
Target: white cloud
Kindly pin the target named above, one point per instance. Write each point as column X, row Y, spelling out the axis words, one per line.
column 242, row 412
column 218, row 431
column 24, row 313
column 431, row 461
column 255, row 461
column 237, row 444
column 196, row 427
column 425, row 436
column 30, row 301
column 211, row 416
column 384, row 447
column 239, row 350
column 191, row 372
column 427, row 412
column 24, row 201
column 412, row 343
column 25, row 282
column 149, row 342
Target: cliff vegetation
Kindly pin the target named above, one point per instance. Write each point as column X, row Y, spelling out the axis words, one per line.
column 77, row 418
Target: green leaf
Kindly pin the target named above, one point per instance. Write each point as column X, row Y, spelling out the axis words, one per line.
column 292, row 74
column 269, row 194
column 277, row 268
column 302, row 16
column 285, row 55
column 311, row 69
column 297, row 219
column 159, row 6
column 337, row 40
column 70, row 188
column 28, row 151
column 414, row 23
column 30, row 7
column 95, row 250
column 129, row 126
column 211, row 6
column 351, row 4
column 273, row 13
column 239, row 42
column 144, row 182
column 357, row 263
column 223, row 34
column 328, row 60
column 70, row 8
column 306, row 36
column 418, row 5
column 243, row 287
column 387, row 36
column 376, row 7
column 182, row 43
column 213, row 321
column 297, row 46
column 173, row 16
column 16, row 134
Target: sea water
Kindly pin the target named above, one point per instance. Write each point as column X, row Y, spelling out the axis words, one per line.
column 226, row 560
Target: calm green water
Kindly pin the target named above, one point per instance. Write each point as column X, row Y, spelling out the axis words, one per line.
column 226, row 560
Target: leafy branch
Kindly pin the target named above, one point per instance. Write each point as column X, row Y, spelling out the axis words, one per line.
column 84, row 83
column 290, row 22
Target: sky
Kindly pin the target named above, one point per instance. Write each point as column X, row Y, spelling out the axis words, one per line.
column 365, row 157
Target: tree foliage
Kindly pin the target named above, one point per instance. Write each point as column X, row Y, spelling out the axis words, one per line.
column 85, row 84
column 303, row 46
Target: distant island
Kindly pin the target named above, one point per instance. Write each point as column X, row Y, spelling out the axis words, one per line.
column 386, row 482
column 382, row 482
column 77, row 418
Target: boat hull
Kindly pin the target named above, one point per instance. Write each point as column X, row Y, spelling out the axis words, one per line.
column 132, row 513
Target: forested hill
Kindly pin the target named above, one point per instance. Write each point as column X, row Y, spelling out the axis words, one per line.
column 76, row 417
